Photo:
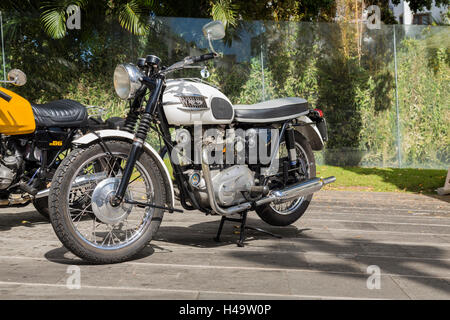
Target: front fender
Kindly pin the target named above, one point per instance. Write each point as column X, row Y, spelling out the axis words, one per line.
column 311, row 133
column 126, row 136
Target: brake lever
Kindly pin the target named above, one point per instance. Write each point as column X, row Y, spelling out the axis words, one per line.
column 186, row 63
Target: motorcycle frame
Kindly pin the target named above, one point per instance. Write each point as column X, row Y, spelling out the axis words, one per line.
column 154, row 113
column 46, row 164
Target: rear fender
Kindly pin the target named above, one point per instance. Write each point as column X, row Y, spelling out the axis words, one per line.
column 311, row 133
column 90, row 138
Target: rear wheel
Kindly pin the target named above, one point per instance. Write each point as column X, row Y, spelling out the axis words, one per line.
column 80, row 210
column 41, row 204
column 286, row 213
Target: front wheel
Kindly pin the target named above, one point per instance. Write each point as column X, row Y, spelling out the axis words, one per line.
column 284, row 214
column 41, row 206
column 82, row 215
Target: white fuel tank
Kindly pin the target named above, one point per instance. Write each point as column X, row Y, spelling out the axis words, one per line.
column 188, row 101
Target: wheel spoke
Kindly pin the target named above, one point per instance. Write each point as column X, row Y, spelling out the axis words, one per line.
column 84, row 219
column 286, row 208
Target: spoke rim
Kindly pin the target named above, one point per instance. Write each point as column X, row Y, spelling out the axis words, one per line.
column 122, row 233
column 289, row 207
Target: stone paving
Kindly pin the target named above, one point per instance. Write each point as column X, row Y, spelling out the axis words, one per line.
column 324, row 255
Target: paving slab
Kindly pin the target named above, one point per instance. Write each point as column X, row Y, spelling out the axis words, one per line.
column 324, row 255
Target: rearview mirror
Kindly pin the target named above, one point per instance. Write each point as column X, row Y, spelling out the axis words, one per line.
column 17, row 77
column 205, row 73
column 214, row 30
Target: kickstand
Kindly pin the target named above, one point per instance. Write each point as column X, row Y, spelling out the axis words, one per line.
column 243, row 227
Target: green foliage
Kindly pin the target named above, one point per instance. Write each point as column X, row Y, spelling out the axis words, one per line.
column 228, row 77
column 424, row 95
column 53, row 17
column 132, row 14
column 225, row 11
column 319, row 62
column 253, row 91
column 356, row 93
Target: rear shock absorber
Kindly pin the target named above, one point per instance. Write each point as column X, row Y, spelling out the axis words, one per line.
column 290, row 145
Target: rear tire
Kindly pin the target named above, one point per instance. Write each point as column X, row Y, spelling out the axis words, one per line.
column 268, row 214
column 62, row 219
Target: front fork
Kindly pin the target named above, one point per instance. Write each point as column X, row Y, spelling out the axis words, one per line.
column 135, row 153
column 139, row 140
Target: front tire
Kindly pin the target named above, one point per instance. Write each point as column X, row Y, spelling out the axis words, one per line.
column 76, row 227
column 41, row 206
column 274, row 216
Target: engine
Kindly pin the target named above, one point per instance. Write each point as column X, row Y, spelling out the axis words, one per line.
column 232, row 181
column 10, row 162
column 6, row 177
column 236, row 162
column 228, row 184
column 8, row 169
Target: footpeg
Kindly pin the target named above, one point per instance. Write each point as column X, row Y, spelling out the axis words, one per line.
column 259, row 190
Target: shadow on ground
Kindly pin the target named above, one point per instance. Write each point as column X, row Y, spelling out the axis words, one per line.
column 424, row 181
column 27, row 219
column 347, row 257
column 63, row 256
column 392, row 258
column 202, row 235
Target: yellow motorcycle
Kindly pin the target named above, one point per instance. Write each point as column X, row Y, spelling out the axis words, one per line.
column 34, row 138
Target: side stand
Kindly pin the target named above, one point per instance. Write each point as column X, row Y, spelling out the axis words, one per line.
column 243, row 221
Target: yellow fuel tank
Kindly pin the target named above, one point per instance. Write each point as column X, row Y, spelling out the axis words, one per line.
column 16, row 114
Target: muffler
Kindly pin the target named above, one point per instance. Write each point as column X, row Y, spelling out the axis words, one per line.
column 295, row 191
column 301, row 189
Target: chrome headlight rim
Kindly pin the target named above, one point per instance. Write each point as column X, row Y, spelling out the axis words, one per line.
column 126, row 88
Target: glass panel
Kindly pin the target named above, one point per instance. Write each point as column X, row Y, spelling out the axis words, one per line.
column 346, row 70
column 4, row 67
column 423, row 59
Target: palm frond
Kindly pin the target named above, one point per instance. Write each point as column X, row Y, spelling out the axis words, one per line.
column 131, row 16
column 225, row 11
column 53, row 17
column 54, row 23
column 14, row 23
column 147, row 3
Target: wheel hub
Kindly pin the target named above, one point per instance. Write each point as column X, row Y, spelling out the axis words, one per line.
column 102, row 206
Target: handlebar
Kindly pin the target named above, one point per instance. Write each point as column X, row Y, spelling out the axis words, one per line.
column 190, row 60
column 204, row 57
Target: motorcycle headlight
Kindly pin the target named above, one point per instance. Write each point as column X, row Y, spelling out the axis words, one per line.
column 126, row 81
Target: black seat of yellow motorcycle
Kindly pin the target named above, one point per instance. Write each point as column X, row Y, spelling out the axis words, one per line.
column 60, row 113
column 271, row 111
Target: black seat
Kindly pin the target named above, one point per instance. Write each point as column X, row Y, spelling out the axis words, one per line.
column 60, row 113
column 271, row 111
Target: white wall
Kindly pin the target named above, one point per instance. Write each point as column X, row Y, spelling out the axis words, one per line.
column 403, row 8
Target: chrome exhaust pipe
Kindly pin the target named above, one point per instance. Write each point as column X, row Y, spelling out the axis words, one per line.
column 301, row 189
column 79, row 181
column 298, row 190
column 42, row 194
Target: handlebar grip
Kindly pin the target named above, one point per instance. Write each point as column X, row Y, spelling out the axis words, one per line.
column 203, row 57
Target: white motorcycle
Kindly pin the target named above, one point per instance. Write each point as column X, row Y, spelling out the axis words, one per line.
column 226, row 160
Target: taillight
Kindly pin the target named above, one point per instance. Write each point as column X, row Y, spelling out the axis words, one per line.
column 320, row 112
